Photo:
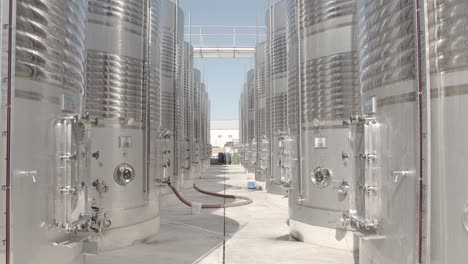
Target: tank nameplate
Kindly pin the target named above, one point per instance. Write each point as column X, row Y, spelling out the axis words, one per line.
column 321, row 177
column 321, row 143
column 124, row 174
column 125, row 142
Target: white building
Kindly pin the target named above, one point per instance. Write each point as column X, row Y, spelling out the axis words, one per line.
column 223, row 131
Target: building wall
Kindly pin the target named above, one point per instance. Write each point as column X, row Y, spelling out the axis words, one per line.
column 223, row 131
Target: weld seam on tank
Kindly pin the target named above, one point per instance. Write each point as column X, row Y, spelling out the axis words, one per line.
column 246, row 200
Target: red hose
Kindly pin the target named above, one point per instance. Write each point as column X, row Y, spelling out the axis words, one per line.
column 245, row 200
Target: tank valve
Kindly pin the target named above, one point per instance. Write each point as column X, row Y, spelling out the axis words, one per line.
column 164, row 182
column 167, row 164
column 300, row 199
column 96, row 155
column 345, row 219
column 368, row 156
column 401, row 174
column 343, row 188
column 99, row 221
column 100, row 186
column 345, row 155
column 371, row 189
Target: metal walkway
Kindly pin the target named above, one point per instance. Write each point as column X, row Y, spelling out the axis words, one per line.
column 224, row 41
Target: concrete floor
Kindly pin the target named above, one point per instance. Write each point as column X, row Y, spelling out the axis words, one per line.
column 255, row 233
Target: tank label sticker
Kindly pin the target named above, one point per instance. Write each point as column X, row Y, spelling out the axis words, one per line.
column 321, row 143
column 125, row 142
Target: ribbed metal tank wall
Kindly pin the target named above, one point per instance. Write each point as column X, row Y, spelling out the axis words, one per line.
column 48, row 81
column 186, row 151
column 251, row 125
column 244, row 126
column 154, row 65
column 196, row 156
column 448, row 65
column 260, row 118
column 322, row 64
column 204, row 128
column 387, row 69
column 276, row 85
column 242, row 129
column 172, row 35
column 118, row 46
column 202, row 124
column 179, row 104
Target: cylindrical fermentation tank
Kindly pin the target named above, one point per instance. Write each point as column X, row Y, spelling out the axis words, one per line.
column 201, row 114
column 387, row 188
column 179, row 168
column 251, row 131
column 43, row 73
column 242, row 132
column 260, row 112
column 276, row 85
column 448, row 67
column 186, row 149
column 197, row 147
column 204, row 127
column 417, row 140
column 118, row 98
column 322, row 76
column 243, row 128
column 172, row 29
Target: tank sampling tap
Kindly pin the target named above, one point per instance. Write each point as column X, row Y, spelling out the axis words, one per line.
column 401, row 174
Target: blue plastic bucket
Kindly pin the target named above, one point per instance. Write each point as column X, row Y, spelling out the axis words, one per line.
column 251, row 185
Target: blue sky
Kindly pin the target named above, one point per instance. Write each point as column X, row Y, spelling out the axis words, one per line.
column 224, row 77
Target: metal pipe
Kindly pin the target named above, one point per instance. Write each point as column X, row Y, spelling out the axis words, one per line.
column 147, row 138
column 175, row 139
column 8, row 132
column 299, row 105
column 246, row 200
column 420, row 128
column 270, row 83
column 428, row 138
